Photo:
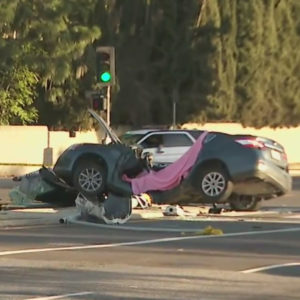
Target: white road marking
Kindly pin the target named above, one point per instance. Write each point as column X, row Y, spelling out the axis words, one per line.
column 127, row 227
column 36, row 210
column 62, row 296
column 145, row 242
column 29, row 226
column 269, row 267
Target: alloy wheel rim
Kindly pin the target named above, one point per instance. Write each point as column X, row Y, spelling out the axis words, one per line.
column 90, row 179
column 213, row 184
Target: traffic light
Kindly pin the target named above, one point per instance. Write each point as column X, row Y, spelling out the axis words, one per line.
column 98, row 101
column 105, row 65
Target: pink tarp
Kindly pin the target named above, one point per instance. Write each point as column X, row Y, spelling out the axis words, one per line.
column 170, row 176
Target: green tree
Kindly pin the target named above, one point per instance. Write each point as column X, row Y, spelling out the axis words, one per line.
column 221, row 15
column 58, row 37
column 268, row 83
column 18, row 82
column 221, row 60
column 17, row 94
column 250, row 55
column 160, row 57
column 285, row 82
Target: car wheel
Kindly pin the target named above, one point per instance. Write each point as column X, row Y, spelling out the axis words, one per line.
column 215, row 184
column 245, row 203
column 90, row 178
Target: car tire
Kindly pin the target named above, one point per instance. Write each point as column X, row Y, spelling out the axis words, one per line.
column 245, row 203
column 215, row 185
column 89, row 178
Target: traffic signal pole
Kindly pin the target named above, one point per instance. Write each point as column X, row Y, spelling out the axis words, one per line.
column 108, row 105
column 106, row 77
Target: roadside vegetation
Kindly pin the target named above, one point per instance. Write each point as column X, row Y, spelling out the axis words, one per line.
column 232, row 60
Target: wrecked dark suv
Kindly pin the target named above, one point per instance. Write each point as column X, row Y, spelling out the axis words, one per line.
column 238, row 169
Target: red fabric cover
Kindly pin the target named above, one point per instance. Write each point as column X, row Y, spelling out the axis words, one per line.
column 170, row 176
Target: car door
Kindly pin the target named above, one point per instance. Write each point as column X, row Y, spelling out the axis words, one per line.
column 151, row 143
column 166, row 147
column 175, row 144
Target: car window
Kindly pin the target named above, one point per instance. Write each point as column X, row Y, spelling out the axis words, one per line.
column 153, row 141
column 196, row 133
column 176, row 140
column 130, row 139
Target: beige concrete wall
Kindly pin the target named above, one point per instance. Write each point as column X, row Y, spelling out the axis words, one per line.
column 22, row 144
column 16, row 170
column 23, row 149
column 288, row 137
column 60, row 140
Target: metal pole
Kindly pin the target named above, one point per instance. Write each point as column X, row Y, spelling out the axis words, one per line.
column 174, row 114
column 108, row 106
column 174, row 102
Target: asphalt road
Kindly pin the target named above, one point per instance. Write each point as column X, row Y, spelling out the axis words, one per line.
column 98, row 263
column 251, row 260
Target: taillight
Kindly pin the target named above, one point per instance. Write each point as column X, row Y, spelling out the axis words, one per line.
column 251, row 143
column 284, row 156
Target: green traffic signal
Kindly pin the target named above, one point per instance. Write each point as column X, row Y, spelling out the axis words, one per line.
column 105, row 77
column 105, row 67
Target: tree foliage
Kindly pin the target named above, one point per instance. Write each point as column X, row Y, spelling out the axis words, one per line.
column 219, row 60
column 18, row 82
column 17, row 91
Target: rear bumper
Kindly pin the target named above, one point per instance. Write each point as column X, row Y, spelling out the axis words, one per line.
column 265, row 179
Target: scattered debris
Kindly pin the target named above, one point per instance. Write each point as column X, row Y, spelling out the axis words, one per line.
column 209, row 230
column 173, row 210
column 105, row 211
column 215, row 210
column 142, row 201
